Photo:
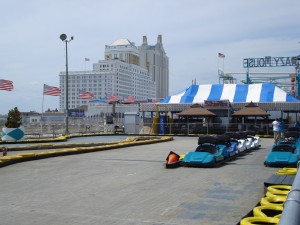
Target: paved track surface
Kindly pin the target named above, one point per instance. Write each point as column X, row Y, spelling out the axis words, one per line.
column 130, row 186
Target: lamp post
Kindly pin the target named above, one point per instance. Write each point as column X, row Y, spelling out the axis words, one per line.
column 298, row 75
column 63, row 37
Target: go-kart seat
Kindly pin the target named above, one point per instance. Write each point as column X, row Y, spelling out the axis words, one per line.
column 291, row 134
column 283, row 148
column 212, row 149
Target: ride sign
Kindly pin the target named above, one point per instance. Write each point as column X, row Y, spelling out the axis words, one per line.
column 269, row 61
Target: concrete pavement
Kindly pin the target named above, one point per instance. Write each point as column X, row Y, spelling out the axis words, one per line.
column 130, row 186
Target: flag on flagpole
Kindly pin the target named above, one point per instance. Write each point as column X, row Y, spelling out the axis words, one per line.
column 129, row 100
column 87, row 59
column 112, row 98
column 86, row 95
column 6, row 85
column 220, row 55
column 50, row 90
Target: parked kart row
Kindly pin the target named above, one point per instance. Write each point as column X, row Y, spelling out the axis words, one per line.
column 215, row 150
column 286, row 152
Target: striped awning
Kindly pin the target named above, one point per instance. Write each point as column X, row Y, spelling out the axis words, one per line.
column 235, row 93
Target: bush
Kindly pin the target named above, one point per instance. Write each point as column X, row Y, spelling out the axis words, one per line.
column 14, row 119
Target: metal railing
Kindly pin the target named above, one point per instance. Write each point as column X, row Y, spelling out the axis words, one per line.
column 55, row 129
column 208, row 128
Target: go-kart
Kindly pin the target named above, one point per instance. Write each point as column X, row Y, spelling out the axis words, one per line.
column 283, row 155
column 255, row 139
column 230, row 148
column 248, row 140
column 208, row 153
column 240, row 143
column 286, row 152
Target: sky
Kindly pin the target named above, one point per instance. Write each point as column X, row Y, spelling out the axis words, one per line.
column 193, row 33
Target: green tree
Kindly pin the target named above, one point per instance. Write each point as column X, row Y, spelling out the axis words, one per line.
column 14, row 119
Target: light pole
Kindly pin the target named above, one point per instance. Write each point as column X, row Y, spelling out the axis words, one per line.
column 63, row 37
column 298, row 75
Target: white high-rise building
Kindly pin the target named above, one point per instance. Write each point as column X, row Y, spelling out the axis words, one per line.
column 154, row 59
column 121, row 74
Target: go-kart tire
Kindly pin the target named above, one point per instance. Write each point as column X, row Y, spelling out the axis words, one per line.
column 279, row 189
column 256, row 220
column 275, row 210
column 273, row 200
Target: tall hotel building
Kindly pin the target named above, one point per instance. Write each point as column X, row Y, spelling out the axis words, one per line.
column 127, row 70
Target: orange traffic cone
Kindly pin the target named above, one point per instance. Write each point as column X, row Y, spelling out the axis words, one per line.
column 172, row 160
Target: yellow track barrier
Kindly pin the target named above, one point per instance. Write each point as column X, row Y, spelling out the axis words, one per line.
column 287, row 171
column 273, row 200
column 279, row 189
column 268, row 211
column 27, row 155
column 8, row 158
column 259, row 220
column 269, row 194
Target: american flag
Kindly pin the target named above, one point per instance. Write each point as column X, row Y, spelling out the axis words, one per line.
column 86, row 95
column 129, row 100
column 221, row 55
column 112, row 98
column 50, row 90
column 6, row 85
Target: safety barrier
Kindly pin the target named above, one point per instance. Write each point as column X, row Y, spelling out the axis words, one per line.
column 290, row 214
column 187, row 128
column 70, row 150
column 281, row 205
column 259, row 220
column 270, row 209
column 274, row 204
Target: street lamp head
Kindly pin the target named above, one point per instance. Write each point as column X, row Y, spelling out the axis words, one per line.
column 63, row 37
column 72, row 38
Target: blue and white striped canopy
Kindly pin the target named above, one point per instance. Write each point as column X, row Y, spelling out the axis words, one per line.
column 242, row 93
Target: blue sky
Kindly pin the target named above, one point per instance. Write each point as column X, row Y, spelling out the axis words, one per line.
column 193, row 33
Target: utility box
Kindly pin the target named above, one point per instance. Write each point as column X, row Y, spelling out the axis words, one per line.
column 132, row 122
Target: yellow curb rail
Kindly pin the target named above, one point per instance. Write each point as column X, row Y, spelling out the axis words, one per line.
column 7, row 160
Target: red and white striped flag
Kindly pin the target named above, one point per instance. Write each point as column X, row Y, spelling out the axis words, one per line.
column 220, row 55
column 129, row 100
column 50, row 90
column 86, row 95
column 113, row 98
column 6, row 85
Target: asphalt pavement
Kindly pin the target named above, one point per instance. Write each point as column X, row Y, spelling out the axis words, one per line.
column 130, row 186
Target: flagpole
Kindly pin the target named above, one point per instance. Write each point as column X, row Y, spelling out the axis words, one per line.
column 79, row 96
column 218, row 65
column 42, row 111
